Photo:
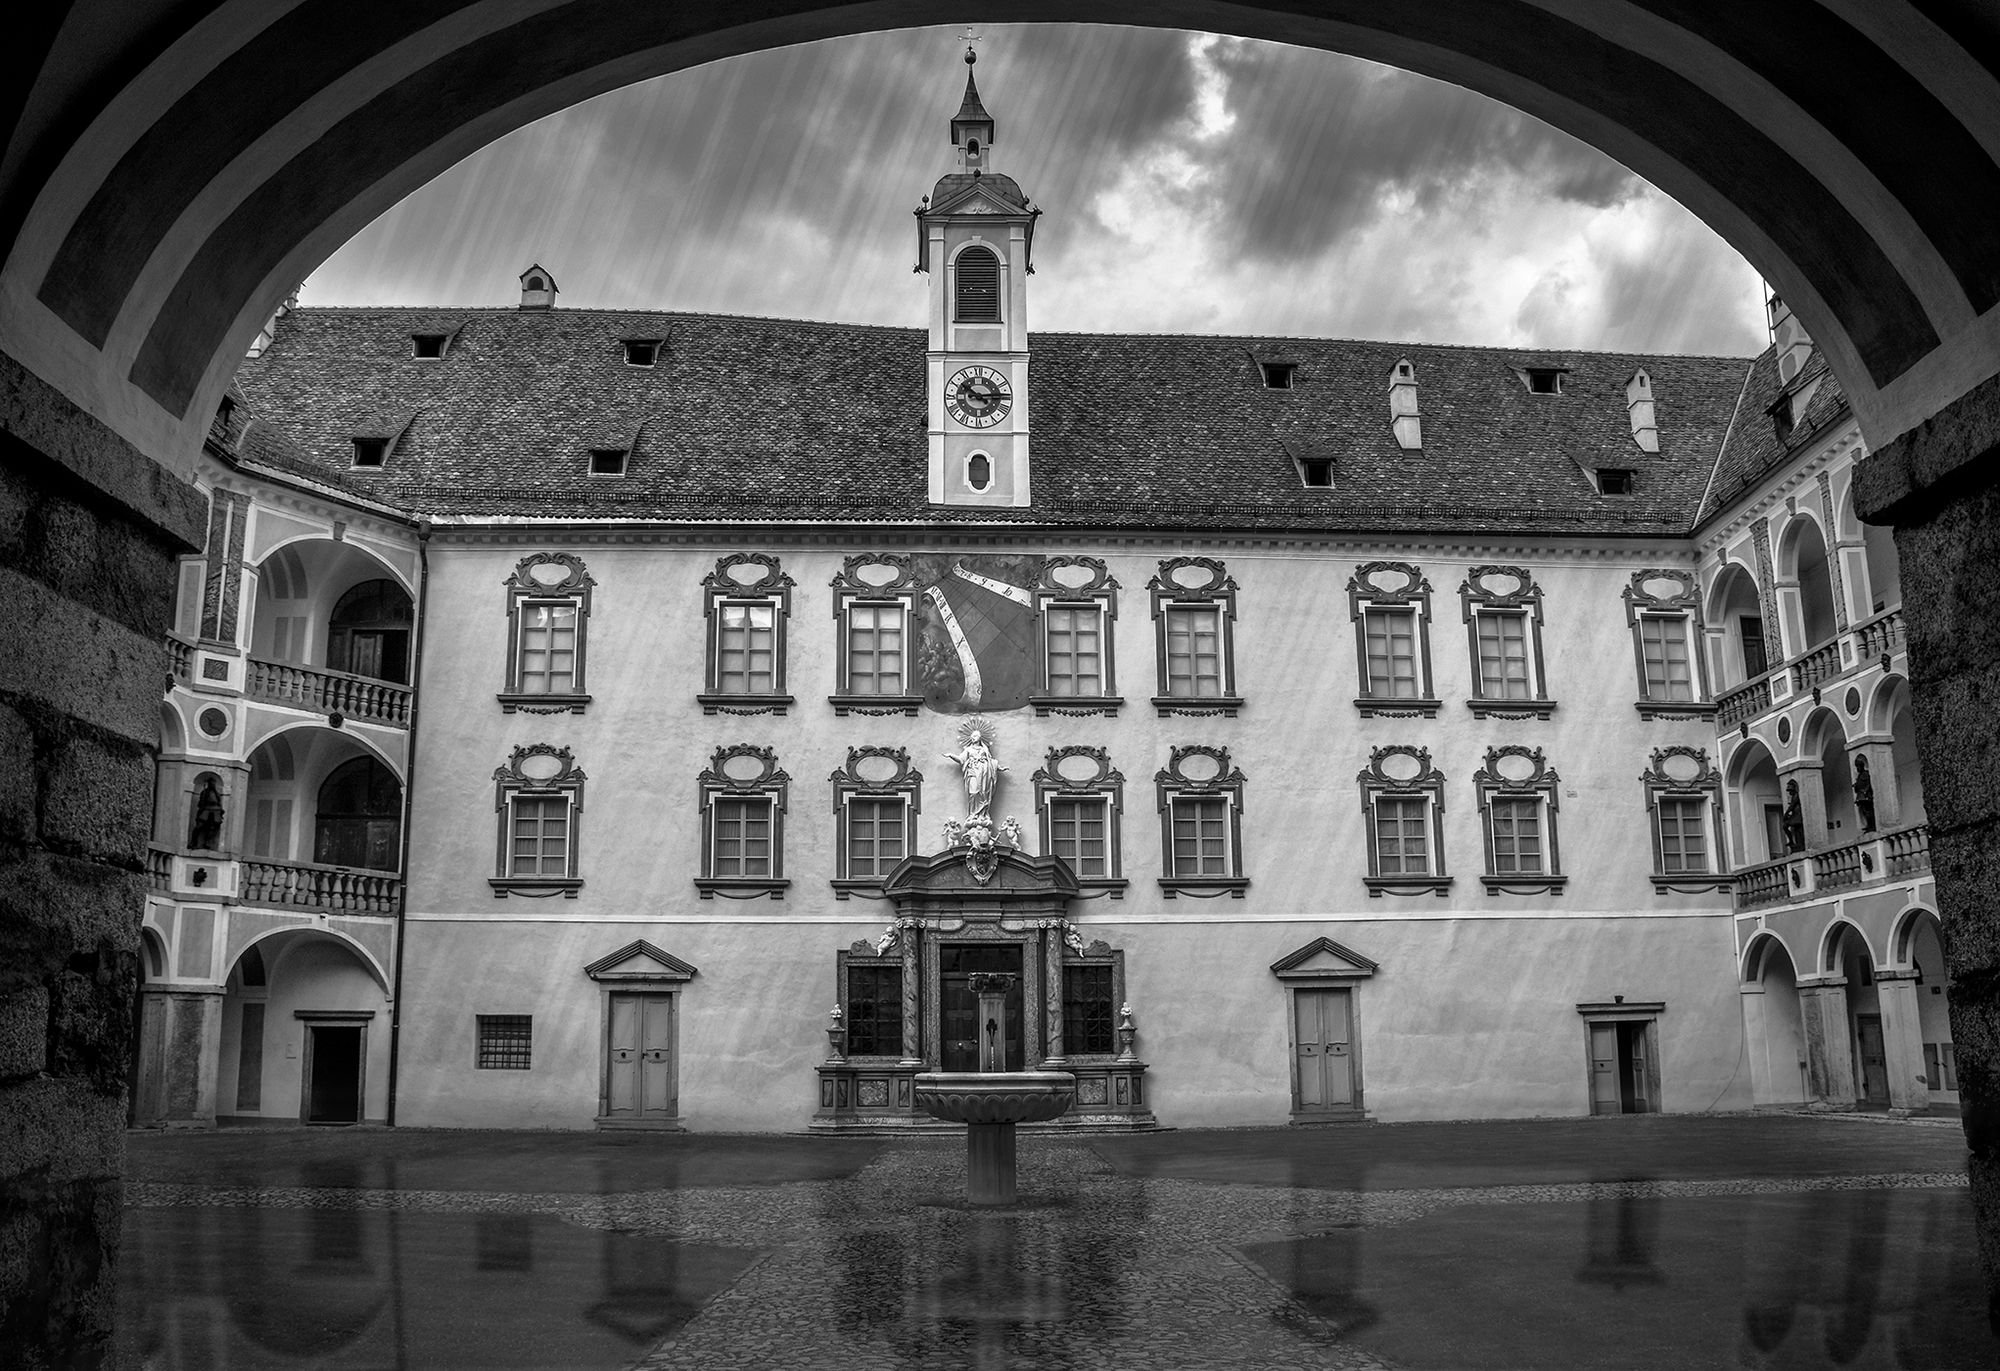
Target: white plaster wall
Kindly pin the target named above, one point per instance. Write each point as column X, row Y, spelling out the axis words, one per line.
column 1473, row 1014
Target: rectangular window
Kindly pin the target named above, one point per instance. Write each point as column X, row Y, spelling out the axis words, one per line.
column 1076, row 650
column 875, row 649
column 607, row 461
column 1517, row 836
column 875, row 837
column 875, row 1011
column 1663, row 641
column 1078, row 833
column 506, row 1041
column 548, row 649
column 1402, row 837
column 428, row 345
column 371, row 452
column 1683, row 841
column 1194, row 653
column 1201, row 837
column 539, row 842
column 743, row 837
column 1089, row 1010
column 1756, row 661
column 1774, row 831
column 1392, row 652
column 747, row 649
column 1503, row 656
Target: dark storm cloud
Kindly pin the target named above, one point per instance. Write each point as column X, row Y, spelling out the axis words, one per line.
column 782, row 182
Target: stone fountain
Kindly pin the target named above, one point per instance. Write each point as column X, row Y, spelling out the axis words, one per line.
column 991, row 1100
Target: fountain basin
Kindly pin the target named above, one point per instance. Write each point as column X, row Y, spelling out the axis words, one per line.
column 988, row 1097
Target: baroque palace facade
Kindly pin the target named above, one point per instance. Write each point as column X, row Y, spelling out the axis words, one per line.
column 573, row 714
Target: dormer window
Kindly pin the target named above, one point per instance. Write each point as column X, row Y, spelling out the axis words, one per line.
column 978, row 287
column 1317, row 471
column 1616, row 481
column 1781, row 419
column 1278, row 376
column 642, row 352
column 371, row 452
column 607, row 461
column 1544, row 380
column 428, row 347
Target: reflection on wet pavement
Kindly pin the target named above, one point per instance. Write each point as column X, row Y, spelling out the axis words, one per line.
column 887, row 1268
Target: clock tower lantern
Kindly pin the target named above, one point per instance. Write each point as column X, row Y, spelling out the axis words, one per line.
column 975, row 236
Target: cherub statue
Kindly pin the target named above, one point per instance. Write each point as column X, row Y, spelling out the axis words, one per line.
column 976, row 762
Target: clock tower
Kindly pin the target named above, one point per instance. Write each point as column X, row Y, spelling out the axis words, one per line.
column 975, row 236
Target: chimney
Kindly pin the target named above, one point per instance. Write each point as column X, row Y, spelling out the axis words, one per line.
column 1794, row 344
column 1403, row 407
column 538, row 289
column 1639, row 405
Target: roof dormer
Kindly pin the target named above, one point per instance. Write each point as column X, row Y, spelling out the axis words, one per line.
column 538, row 288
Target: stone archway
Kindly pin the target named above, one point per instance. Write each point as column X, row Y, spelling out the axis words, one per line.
column 167, row 179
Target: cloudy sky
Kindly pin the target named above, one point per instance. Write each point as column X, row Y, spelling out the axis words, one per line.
column 1191, row 184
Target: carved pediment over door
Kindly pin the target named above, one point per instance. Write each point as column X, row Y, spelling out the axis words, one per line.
column 1323, row 959
column 639, row 962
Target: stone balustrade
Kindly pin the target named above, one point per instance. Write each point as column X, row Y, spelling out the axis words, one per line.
column 1742, row 704
column 1761, row 885
column 1815, row 667
column 1908, row 851
column 1881, row 636
column 1878, row 857
column 159, row 867
column 361, row 698
column 180, row 659
column 1837, row 867
column 295, row 884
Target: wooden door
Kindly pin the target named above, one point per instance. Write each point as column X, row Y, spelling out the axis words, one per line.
column 1874, row 1061
column 1605, row 1095
column 958, row 1007
column 641, row 1086
column 1323, row 1049
column 333, row 1074
column 1635, row 1068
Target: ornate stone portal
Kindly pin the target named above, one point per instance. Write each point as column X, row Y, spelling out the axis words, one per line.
column 904, row 1002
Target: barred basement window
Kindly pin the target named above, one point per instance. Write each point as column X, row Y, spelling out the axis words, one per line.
column 1089, row 1010
column 371, row 452
column 875, row 1011
column 978, row 286
column 506, row 1041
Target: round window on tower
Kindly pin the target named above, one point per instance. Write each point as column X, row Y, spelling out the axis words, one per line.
column 979, row 471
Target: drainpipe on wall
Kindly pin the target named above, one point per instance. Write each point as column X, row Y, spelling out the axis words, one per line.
column 409, row 790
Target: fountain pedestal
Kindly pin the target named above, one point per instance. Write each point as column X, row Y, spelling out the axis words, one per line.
column 990, row 1101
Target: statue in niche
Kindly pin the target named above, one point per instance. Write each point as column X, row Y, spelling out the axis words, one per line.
column 1795, row 820
column 1864, row 794
column 206, row 835
column 977, row 764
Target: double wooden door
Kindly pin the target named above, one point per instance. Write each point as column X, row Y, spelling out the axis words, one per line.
column 1621, row 1072
column 641, row 1085
column 1323, row 1048
column 958, row 1007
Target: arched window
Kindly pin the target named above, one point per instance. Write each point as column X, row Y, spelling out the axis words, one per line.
column 1815, row 586
column 360, row 817
column 978, row 287
column 369, row 633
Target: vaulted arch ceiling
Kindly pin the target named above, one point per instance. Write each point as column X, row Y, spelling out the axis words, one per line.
column 173, row 167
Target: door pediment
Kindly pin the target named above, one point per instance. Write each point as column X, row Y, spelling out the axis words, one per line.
column 1323, row 959
column 639, row 961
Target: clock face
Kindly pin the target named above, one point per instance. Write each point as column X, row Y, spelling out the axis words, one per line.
column 978, row 397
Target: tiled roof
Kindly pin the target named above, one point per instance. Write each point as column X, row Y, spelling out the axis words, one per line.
column 1753, row 447
column 775, row 420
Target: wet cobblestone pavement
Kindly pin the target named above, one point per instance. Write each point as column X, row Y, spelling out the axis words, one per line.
column 888, row 1268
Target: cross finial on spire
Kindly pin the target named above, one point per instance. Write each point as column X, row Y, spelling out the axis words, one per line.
column 969, row 38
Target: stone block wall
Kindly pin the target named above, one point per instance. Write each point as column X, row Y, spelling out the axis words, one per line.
column 89, row 530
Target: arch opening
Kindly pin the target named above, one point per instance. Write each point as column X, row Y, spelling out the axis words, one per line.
column 1735, row 604
column 1774, row 1025
column 1804, row 560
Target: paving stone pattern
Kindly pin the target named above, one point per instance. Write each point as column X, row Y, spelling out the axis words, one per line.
column 1093, row 1269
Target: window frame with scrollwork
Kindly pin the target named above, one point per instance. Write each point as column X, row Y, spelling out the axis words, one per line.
column 1218, row 594
column 1426, row 786
column 1364, row 597
column 770, row 785
column 722, row 589
column 1096, row 954
column 1100, row 592
column 863, row 956
column 1640, row 606
column 1543, row 786
column 1705, row 789
column 511, row 784
column 1172, row 786
column 849, row 785
column 851, row 592
column 525, row 592
column 1108, row 785
column 1477, row 601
